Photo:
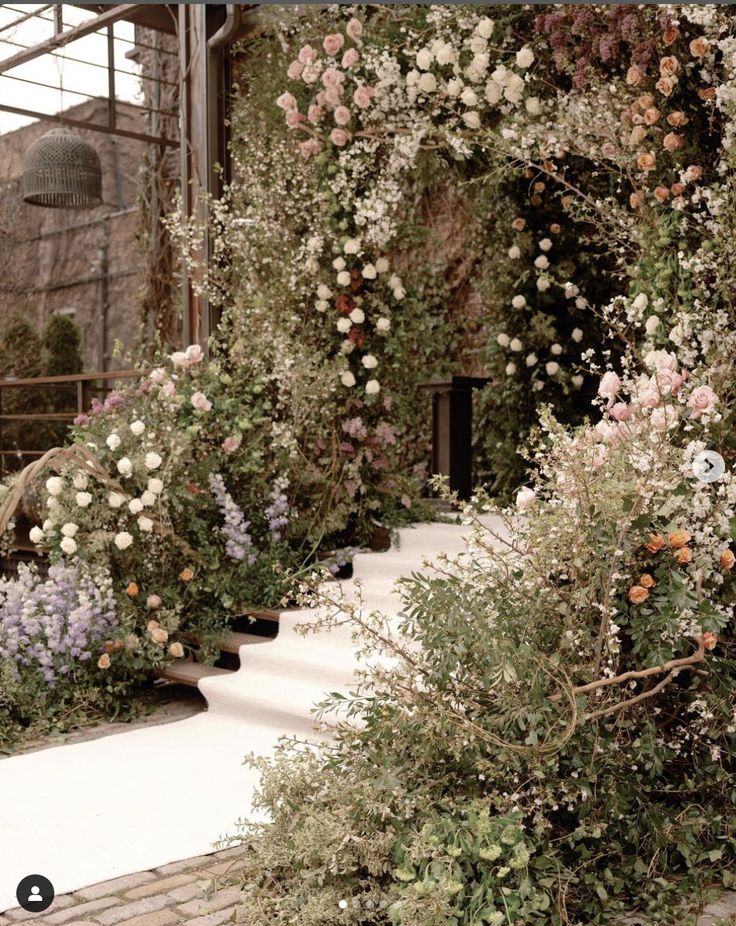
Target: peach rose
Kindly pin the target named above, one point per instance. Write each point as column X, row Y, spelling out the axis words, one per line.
column 678, row 539
column 707, row 93
column 665, row 85
column 645, row 101
column 693, row 173
column 638, row 594
column 132, row 589
column 651, row 115
column 152, row 625
column 684, row 556
column 103, row 662
column 637, row 136
column 117, row 646
column 646, row 581
column 668, row 66
column 661, row 193
column 678, row 189
column 186, row 575
column 555, row 228
column 636, row 199
column 646, row 161
column 670, row 36
column 677, row 118
column 518, row 224
column 655, row 543
column 176, row 650
column 709, row 640
column 672, row 141
column 159, row 635
column 108, row 647
column 727, row 559
column 699, row 47
column 634, row 76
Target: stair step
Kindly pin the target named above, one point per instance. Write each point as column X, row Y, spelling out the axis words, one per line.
column 235, row 640
column 184, row 672
column 263, row 614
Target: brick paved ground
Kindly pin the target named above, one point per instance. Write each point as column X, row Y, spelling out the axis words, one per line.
column 203, row 891
column 200, row 891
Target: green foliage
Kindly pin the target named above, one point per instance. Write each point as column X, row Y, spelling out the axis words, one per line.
column 61, row 346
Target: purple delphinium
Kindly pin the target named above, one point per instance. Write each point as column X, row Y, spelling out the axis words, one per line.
column 238, row 542
column 278, row 511
column 48, row 625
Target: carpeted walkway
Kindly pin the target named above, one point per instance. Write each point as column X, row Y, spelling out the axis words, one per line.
column 89, row 812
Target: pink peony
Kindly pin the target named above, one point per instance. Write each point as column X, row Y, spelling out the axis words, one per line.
column 332, row 77
column 350, row 58
column 308, row 148
column 620, row 411
column 286, row 101
column 294, row 71
column 307, row 54
column 702, row 400
column 342, row 115
column 340, row 137
column 362, row 97
column 333, row 95
column 609, row 386
column 200, row 402
column 354, row 29
column 333, row 43
column 294, row 118
column 231, row 444
column 314, row 114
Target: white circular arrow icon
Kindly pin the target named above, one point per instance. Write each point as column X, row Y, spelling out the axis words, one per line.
column 709, row 466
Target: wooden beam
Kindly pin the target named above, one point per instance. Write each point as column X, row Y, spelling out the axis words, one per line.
column 123, row 11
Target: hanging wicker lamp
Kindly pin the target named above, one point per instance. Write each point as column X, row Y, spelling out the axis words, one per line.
column 62, row 170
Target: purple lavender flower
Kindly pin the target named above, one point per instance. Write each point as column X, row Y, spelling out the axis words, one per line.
column 278, row 511
column 81, row 419
column 238, row 542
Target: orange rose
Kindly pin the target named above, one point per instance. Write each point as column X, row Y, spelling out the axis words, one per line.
column 665, row 85
column 661, row 193
column 117, row 646
column 677, row 118
column 709, row 640
column 694, row 172
column 678, row 538
column 634, row 76
column 103, row 662
column 518, row 224
column 672, row 141
column 699, row 47
column 707, row 93
column 678, row 189
column 638, row 594
column 684, row 556
column 645, row 101
column 670, row 36
column 646, row 581
column 668, row 66
column 636, row 200
column 108, row 647
column 646, row 161
column 186, row 575
column 132, row 589
column 651, row 115
column 655, row 543
column 727, row 559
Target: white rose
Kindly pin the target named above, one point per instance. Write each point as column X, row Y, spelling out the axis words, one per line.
column 321, row 305
column 135, row 506
column 145, row 524
column 514, row 252
column 180, row 359
column 518, row 302
column 652, row 323
column 577, row 381
column 324, row 292
column 524, row 57
column 369, row 362
column 369, row 272
column 494, row 90
column 383, row 324
column 80, row 480
column 454, row 87
column 485, row 27
column 343, row 278
column 153, row 460
column 533, row 106
column 424, row 59
column 351, row 246
column 48, row 524
column 394, row 281
column 69, row 529
column 477, row 44
column 469, row 97
column 156, row 486
column 577, row 335
column 471, row 119
column 516, row 345
column 344, row 325
column 339, row 263
column 372, row 387
column 510, row 369
column 347, row 379
column 54, row 485
column 552, row 368
column 541, row 262
column 503, row 339
column 115, row 500
column 148, row 498
column 545, row 244
column 427, row 82
column 525, row 498
column 399, row 293
column 137, row 428
column 445, row 53
column 357, row 316
column 543, row 284
column 531, row 360
column 123, row 540
column 580, row 303
column 412, row 78
column 382, row 265
column 68, row 545
column 514, row 88
column 53, row 503
column 125, row 467
column 83, row 499
column 571, row 290
column 556, row 349
column 36, row 534
column 641, row 302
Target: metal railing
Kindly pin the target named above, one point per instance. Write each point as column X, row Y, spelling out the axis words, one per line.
column 38, row 411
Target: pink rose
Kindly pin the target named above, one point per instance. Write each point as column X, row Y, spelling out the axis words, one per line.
column 609, row 385
column 350, row 58
column 362, row 97
column 200, row 402
column 286, row 101
column 333, row 95
column 294, row 118
column 605, row 431
column 342, row 115
column 340, row 137
column 320, row 99
column 194, row 353
column 168, row 390
column 354, row 29
column 647, row 392
column 158, row 375
column 333, row 43
column 332, row 77
column 231, row 444
column 308, row 148
column 307, row 54
column 620, row 411
column 294, row 70
column 180, row 359
column 661, row 360
column 314, row 114
column 702, row 400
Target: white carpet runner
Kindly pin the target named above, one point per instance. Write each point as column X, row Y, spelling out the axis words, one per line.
column 92, row 811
